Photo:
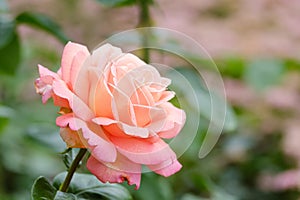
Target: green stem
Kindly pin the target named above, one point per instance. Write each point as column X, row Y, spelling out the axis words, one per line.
column 145, row 21
column 64, row 186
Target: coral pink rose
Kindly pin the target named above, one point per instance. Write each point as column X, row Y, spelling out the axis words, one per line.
column 115, row 105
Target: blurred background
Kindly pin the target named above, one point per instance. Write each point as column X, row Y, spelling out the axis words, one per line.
column 256, row 46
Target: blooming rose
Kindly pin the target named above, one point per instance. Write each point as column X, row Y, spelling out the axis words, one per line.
column 115, row 105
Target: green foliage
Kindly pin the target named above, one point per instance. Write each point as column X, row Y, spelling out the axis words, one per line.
column 154, row 187
column 7, row 29
column 117, row 3
column 5, row 114
column 42, row 189
column 82, row 187
column 86, row 186
column 10, row 53
column 44, row 23
column 64, row 196
column 263, row 73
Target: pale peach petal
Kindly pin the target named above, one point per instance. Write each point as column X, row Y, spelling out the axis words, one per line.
column 79, row 108
column 166, row 168
column 92, row 137
column 103, row 55
column 174, row 121
column 158, row 119
column 71, row 138
column 100, row 97
column 164, row 97
column 43, row 71
column 104, row 121
column 129, row 61
column 43, row 89
column 142, row 115
column 120, row 129
column 119, row 171
column 142, row 96
column 122, row 106
column 69, row 52
column 77, row 64
column 63, row 120
column 43, row 84
column 135, row 131
column 82, row 85
column 143, row 151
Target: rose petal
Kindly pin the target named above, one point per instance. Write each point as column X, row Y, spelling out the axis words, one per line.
column 71, row 138
column 143, row 151
column 100, row 97
column 174, row 121
column 104, row 54
column 92, row 137
column 119, row 171
column 79, row 108
column 120, row 129
column 166, row 168
column 43, row 84
column 163, row 97
column 67, row 68
column 43, row 71
column 104, row 121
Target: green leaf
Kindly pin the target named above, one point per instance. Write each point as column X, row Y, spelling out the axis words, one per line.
column 43, row 22
column 7, row 31
column 5, row 114
column 117, row 3
column 86, row 186
column 42, row 189
column 64, row 196
column 263, row 73
column 10, row 56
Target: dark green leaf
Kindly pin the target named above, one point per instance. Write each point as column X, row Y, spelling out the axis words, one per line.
column 43, row 22
column 86, row 186
column 42, row 189
column 64, row 196
column 10, row 56
column 7, row 31
column 117, row 3
column 263, row 73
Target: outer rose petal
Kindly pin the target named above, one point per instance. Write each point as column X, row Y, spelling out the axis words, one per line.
column 166, row 168
column 43, row 84
column 122, row 169
column 78, row 106
column 174, row 122
column 148, row 151
column 69, row 66
column 71, row 138
column 46, row 72
column 91, row 136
